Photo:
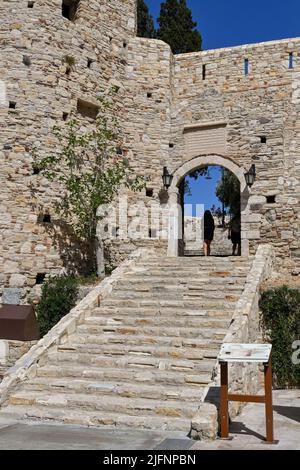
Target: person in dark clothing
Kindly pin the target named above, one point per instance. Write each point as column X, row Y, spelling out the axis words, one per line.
column 235, row 235
column 209, row 230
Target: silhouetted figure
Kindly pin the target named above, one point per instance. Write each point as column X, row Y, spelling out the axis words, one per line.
column 209, row 230
column 234, row 234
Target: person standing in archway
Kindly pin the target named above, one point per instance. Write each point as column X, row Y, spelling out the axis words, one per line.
column 209, row 231
column 234, row 234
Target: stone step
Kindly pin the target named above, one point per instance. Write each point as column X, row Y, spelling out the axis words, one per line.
column 207, row 296
column 136, row 337
column 225, row 273
column 103, row 418
column 102, row 388
column 192, row 271
column 221, row 303
column 193, row 321
column 179, row 293
column 131, row 360
column 182, row 261
column 123, row 329
column 196, row 321
column 201, row 282
column 192, row 264
column 193, row 349
column 115, row 404
column 194, row 253
column 146, row 356
column 211, row 318
column 134, row 375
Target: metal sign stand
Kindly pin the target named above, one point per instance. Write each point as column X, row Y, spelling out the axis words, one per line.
column 258, row 353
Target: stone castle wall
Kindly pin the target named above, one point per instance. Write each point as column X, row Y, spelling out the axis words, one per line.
column 253, row 118
column 172, row 109
column 148, row 102
column 36, row 94
column 264, row 103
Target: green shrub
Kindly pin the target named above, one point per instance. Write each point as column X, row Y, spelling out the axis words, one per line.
column 89, row 279
column 280, row 320
column 109, row 270
column 59, row 295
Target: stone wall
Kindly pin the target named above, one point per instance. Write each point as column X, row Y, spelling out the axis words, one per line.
column 244, row 378
column 37, row 92
column 172, row 109
column 248, row 378
column 174, row 101
column 262, row 104
column 11, row 352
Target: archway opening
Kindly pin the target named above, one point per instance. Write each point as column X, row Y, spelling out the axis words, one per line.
column 214, row 190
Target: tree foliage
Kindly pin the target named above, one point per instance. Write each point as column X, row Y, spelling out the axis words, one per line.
column 88, row 167
column 145, row 24
column 280, row 320
column 177, row 28
column 228, row 192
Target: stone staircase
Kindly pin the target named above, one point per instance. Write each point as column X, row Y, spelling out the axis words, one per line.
column 145, row 357
column 220, row 246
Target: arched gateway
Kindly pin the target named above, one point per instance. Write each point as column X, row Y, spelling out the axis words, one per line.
column 175, row 238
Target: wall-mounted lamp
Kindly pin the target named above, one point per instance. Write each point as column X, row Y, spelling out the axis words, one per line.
column 250, row 176
column 167, row 178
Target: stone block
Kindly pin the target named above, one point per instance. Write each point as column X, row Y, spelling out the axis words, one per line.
column 253, row 235
column 4, row 351
column 17, row 280
column 11, row 295
column 10, row 267
column 286, row 235
column 204, row 424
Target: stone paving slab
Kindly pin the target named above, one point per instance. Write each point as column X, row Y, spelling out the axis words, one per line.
column 175, row 444
column 16, row 435
column 247, row 430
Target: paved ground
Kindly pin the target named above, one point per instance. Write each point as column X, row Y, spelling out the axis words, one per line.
column 247, row 430
column 33, row 436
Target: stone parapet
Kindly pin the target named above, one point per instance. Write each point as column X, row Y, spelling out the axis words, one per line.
column 244, row 378
column 25, row 367
column 10, row 352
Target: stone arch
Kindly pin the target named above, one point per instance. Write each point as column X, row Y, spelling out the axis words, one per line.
column 187, row 168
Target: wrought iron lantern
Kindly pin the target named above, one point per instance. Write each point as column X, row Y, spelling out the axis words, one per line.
column 167, row 178
column 250, row 176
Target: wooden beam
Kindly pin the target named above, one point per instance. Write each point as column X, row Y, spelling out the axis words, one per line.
column 247, row 398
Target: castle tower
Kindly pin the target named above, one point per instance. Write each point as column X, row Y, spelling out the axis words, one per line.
column 55, row 56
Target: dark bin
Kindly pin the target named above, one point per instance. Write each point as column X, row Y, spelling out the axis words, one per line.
column 18, row 322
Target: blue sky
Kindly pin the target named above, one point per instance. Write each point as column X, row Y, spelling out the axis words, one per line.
column 234, row 22
column 203, row 192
